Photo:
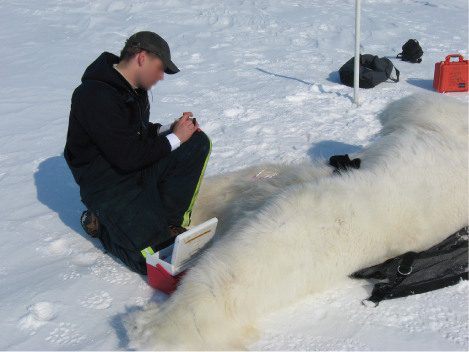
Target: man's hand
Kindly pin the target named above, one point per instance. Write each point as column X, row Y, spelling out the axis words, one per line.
column 185, row 127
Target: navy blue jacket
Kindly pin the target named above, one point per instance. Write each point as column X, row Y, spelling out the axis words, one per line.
column 111, row 119
column 128, row 176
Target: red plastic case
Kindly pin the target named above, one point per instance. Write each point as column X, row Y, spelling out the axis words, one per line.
column 451, row 76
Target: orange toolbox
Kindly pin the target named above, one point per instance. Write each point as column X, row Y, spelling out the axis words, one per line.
column 451, row 76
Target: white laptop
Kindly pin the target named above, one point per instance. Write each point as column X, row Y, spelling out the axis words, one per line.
column 186, row 248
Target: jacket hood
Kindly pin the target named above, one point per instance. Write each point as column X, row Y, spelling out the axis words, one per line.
column 101, row 70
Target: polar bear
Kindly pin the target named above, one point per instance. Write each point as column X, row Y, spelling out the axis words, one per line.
column 307, row 228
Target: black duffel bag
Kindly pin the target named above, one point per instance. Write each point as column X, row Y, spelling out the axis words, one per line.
column 373, row 71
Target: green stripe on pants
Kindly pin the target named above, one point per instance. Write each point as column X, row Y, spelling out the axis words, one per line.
column 186, row 220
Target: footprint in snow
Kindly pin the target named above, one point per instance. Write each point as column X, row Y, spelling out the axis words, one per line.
column 85, row 259
column 65, row 334
column 38, row 314
column 97, row 300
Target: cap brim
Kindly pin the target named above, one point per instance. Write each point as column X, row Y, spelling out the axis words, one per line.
column 171, row 68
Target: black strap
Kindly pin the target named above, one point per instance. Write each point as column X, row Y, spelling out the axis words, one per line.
column 397, row 74
column 400, row 272
column 405, row 268
column 415, row 61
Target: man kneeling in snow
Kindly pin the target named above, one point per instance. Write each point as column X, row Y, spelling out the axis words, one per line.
column 139, row 180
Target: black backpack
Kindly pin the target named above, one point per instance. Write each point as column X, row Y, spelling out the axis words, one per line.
column 412, row 273
column 411, row 51
column 373, row 71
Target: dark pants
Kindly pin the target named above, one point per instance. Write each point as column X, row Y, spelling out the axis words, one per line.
column 134, row 210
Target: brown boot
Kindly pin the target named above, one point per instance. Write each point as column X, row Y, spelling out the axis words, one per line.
column 176, row 230
column 90, row 223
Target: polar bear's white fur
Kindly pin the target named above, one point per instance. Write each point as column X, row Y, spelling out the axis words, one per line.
column 306, row 228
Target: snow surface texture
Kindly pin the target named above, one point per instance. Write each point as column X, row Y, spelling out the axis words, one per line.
column 261, row 78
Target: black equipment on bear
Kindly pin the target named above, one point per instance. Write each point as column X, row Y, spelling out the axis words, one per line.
column 343, row 163
column 412, row 273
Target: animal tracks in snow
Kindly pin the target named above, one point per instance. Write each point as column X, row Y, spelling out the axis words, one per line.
column 42, row 314
column 84, row 259
column 65, row 334
column 420, row 315
column 97, row 300
column 304, row 342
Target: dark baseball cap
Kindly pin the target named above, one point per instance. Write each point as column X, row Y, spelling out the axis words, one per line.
column 152, row 42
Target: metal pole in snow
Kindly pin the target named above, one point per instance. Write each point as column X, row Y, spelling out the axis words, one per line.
column 356, row 69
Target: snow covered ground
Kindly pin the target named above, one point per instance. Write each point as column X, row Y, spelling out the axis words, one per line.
column 261, row 78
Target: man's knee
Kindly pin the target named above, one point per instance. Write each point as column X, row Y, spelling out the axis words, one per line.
column 199, row 146
column 202, row 141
